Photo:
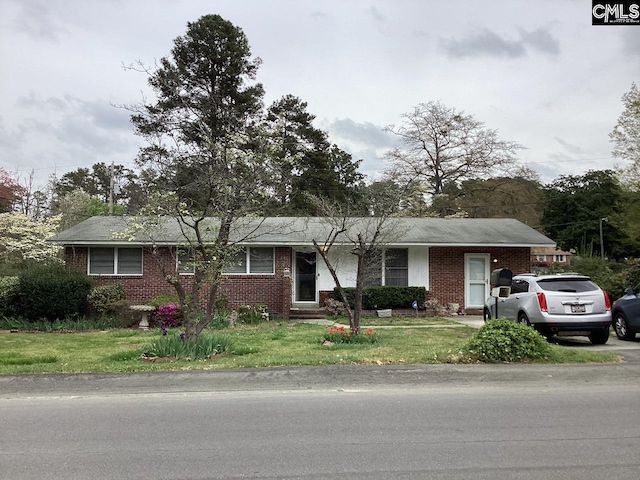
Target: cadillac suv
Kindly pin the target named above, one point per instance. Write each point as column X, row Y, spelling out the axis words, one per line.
column 563, row 305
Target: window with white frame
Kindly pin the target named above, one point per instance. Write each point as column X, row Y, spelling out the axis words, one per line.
column 185, row 265
column 252, row 260
column 115, row 261
column 390, row 269
column 396, row 267
column 559, row 258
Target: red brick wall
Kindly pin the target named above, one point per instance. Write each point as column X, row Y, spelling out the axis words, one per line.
column 446, row 269
column 272, row 290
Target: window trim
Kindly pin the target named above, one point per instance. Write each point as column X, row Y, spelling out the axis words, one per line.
column 386, row 269
column 189, row 254
column 247, row 264
column 116, row 262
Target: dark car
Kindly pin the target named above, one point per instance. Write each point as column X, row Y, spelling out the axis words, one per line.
column 626, row 314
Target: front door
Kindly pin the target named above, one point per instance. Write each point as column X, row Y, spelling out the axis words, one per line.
column 305, row 277
column 476, row 279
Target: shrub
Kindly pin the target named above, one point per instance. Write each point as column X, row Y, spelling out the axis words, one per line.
column 9, row 288
column 253, row 314
column 339, row 334
column 102, row 299
column 335, row 307
column 162, row 299
column 53, row 292
column 502, row 340
column 222, row 304
column 385, row 297
column 631, row 273
column 168, row 315
column 176, row 346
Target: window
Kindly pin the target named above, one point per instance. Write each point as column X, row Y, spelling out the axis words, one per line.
column 541, row 258
column 115, row 261
column 396, row 269
column 519, row 286
column 396, row 263
column 559, row 258
column 185, row 264
column 254, row 260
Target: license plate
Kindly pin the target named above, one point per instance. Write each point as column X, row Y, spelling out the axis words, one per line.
column 578, row 309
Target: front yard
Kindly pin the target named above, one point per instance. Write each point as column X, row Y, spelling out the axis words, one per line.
column 265, row 345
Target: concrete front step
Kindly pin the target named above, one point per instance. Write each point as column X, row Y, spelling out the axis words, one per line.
column 306, row 314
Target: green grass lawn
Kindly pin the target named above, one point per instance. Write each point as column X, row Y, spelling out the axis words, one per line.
column 265, row 345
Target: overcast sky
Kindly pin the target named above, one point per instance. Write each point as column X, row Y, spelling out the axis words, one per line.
column 536, row 71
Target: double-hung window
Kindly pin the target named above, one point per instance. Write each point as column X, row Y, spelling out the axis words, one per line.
column 185, row 262
column 115, row 261
column 396, row 267
column 253, row 260
column 391, row 268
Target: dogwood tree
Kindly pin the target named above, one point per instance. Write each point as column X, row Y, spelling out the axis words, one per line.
column 23, row 239
column 626, row 138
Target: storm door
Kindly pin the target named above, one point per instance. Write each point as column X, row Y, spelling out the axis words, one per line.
column 305, row 277
column 476, row 279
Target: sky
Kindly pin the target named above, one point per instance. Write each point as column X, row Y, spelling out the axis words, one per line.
column 536, row 71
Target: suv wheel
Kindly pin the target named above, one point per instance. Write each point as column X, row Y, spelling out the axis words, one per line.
column 621, row 327
column 523, row 319
column 599, row 337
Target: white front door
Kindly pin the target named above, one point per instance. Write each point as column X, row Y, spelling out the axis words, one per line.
column 476, row 279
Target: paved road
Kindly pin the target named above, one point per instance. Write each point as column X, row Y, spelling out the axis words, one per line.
column 369, row 422
column 455, row 424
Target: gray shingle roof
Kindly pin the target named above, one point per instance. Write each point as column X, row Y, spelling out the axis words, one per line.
column 302, row 231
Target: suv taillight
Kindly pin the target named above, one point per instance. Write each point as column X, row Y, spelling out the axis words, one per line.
column 542, row 301
column 607, row 302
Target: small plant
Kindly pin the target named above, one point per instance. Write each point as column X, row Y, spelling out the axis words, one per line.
column 253, row 314
column 165, row 316
column 338, row 334
column 103, row 297
column 177, row 346
column 335, row 308
column 502, row 340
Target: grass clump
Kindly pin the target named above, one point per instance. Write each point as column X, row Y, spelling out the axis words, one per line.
column 502, row 340
column 179, row 347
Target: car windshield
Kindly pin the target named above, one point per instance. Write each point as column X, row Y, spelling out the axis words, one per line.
column 572, row 285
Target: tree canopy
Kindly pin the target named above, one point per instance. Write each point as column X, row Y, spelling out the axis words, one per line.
column 201, row 132
column 442, row 147
column 574, row 208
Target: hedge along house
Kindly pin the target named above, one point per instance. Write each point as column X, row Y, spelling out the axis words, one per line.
column 277, row 264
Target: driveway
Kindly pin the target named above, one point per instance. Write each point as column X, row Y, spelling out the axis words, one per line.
column 628, row 350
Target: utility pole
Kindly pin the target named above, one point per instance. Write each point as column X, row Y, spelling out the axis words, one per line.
column 111, row 181
column 605, row 219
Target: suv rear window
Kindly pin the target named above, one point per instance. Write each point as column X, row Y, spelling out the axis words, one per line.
column 573, row 285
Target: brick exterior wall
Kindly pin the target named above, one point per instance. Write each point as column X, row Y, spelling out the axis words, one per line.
column 272, row 290
column 446, row 269
column 446, row 276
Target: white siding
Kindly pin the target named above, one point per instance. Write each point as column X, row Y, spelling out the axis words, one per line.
column 346, row 264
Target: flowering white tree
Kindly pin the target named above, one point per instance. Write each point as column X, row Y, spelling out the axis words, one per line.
column 23, row 239
column 626, row 138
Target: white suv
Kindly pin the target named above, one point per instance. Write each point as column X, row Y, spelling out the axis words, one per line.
column 563, row 305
